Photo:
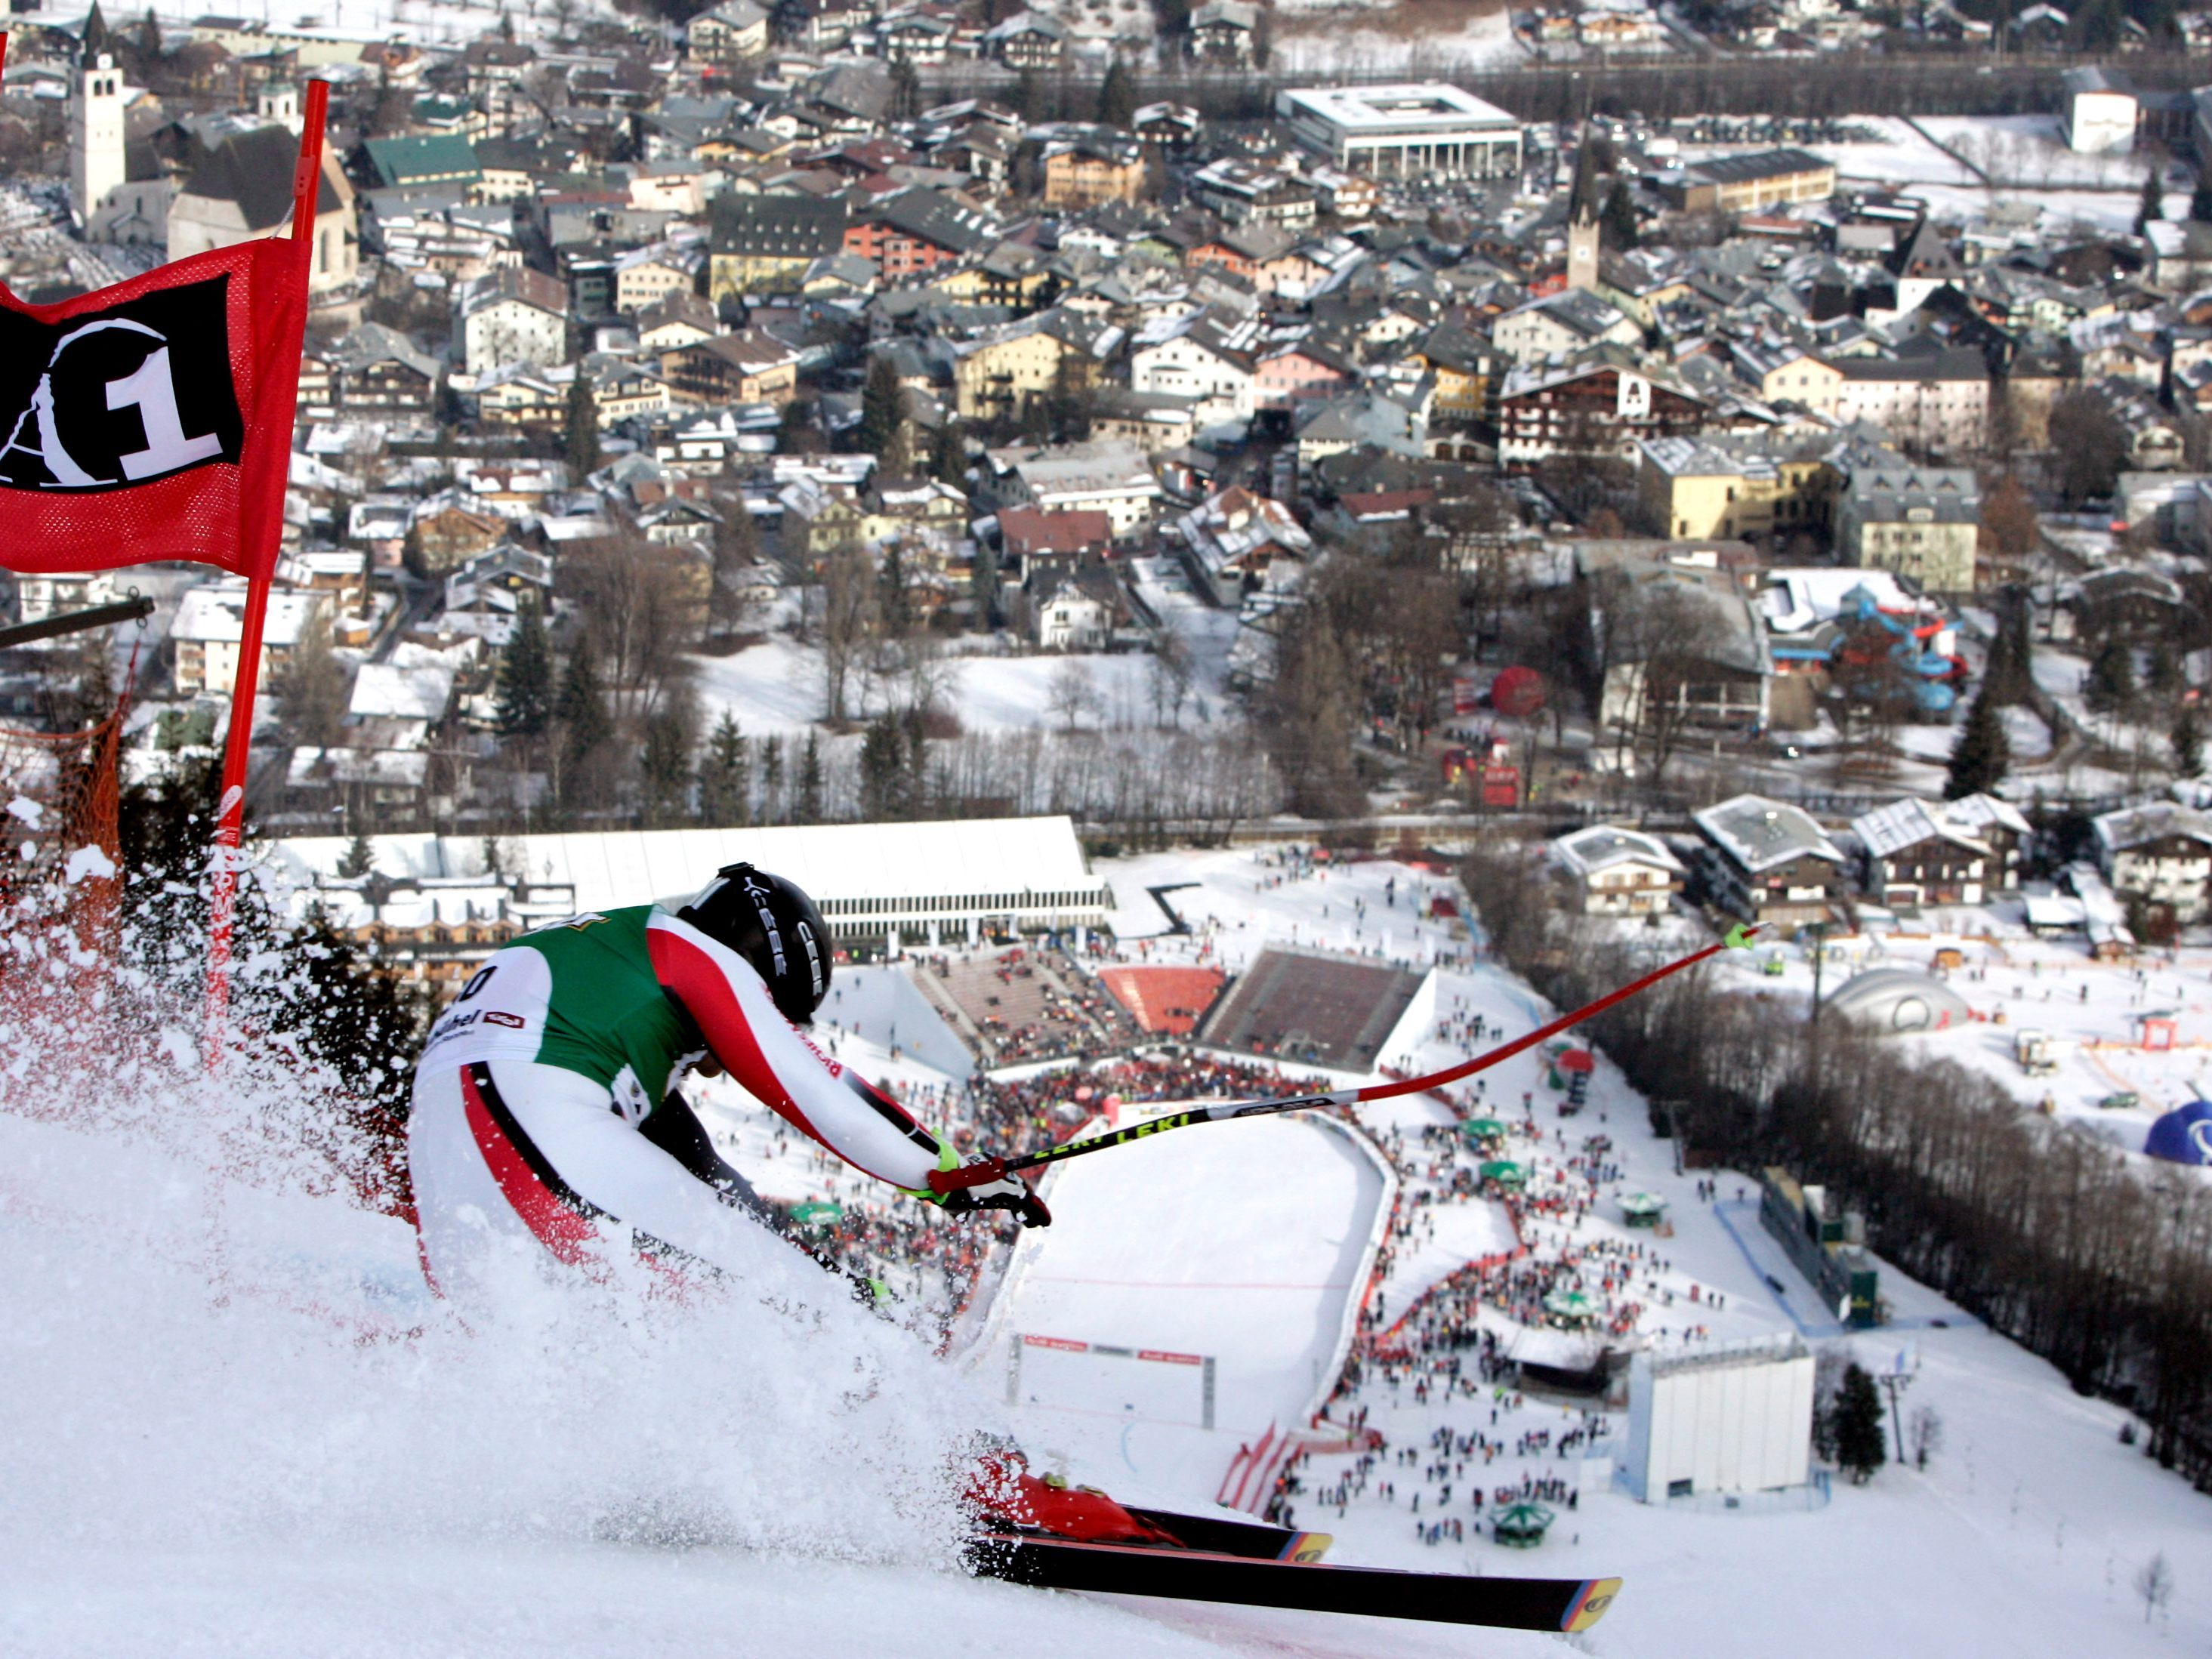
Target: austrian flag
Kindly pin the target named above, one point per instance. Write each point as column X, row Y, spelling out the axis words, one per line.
column 153, row 420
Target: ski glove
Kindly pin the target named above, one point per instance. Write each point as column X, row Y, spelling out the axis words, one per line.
column 1006, row 1193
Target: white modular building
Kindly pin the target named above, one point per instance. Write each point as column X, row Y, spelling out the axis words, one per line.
column 1417, row 130
column 1730, row 1419
column 879, row 886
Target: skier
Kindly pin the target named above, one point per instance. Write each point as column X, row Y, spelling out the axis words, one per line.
column 546, row 1118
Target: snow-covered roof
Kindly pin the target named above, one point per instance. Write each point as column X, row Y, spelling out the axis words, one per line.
column 1602, row 846
column 1760, row 833
column 953, row 859
column 1907, row 822
column 214, row 612
column 1796, row 601
column 2135, row 826
column 1978, row 813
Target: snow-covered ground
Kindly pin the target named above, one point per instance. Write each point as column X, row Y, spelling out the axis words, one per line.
column 2030, row 149
column 1246, row 1247
column 238, row 1426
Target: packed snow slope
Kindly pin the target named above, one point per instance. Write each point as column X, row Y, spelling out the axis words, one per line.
column 238, row 1426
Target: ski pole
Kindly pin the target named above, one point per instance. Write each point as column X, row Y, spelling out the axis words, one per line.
column 987, row 1169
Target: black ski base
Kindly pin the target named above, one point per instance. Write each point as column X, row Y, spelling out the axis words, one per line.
column 1193, row 1575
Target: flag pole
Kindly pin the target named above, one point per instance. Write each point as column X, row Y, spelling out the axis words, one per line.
column 265, row 516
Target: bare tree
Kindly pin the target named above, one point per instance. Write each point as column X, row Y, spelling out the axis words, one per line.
column 2154, row 1584
column 1170, row 675
column 1926, row 1429
column 847, row 619
column 1072, row 695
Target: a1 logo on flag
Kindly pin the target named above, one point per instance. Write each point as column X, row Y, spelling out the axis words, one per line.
column 119, row 396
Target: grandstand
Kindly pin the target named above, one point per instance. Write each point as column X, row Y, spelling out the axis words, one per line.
column 1325, row 1009
column 1015, row 1006
column 1165, row 1002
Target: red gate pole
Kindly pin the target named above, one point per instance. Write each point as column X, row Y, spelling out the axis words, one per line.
column 265, row 514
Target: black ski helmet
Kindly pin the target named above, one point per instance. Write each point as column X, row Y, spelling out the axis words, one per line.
column 774, row 925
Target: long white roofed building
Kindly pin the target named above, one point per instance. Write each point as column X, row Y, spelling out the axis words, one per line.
column 432, row 904
column 1415, row 130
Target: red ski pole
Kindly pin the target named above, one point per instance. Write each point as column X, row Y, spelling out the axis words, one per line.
column 994, row 1169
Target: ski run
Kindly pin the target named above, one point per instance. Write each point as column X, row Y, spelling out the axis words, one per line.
column 238, row 1426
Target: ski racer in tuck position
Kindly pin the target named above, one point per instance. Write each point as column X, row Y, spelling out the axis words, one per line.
column 546, row 1115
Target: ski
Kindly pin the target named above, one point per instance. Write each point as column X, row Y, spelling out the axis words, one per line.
column 1547, row 1604
column 1228, row 1535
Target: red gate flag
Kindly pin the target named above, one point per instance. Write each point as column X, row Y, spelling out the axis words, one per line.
column 153, row 420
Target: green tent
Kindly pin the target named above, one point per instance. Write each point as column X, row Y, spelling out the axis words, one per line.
column 1521, row 1526
column 1642, row 1209
column 818, row 1210
column 1483, row 1128
column 1570, row 1307
column 1504, row 1171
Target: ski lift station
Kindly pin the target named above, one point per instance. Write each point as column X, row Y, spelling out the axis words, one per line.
column 1720, row 1421
column 881, row 887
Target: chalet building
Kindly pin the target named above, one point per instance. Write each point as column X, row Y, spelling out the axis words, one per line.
column 1912, row 853
column 1098, row 166
column 761, row 244
column 728, row 34
column 1618, row 872
column 1028, row 40
column 1600, row 405
column 750, row 367
column 1770, row 863
column 2160, row 853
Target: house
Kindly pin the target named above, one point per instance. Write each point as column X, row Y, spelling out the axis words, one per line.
column 1600, row 404
column 1096, row 165
column 1770, row 863
column 1745, row 183
column 514, row 315
column 1237, row 542
column 1107, row 477
column 239, row 189
column 446, row 534
column 1705, row 488
column 918, row 230
column 1224, row 32
column 751, row 366
column 1080, row 610
column 2001, row 828
column 2159, row 853
column 2101, row 111
column 1914, row 854
column 728, row 34
column 1467, row 368
column 423, row 163
column 1028, row 40
column 763, row 243
column 1617, row 872
column 1000, row 371
column 1562, row 322
column 1937, row 401
column 209, row 629
column 1033, row 543
column 1924, row 522
column 377, row 368
column 1720, row 681
column 1201, row 354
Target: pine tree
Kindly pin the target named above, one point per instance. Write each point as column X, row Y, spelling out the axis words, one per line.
column 809, row 781
column 948, row 453
column 2187, row 737
column 983, row 583
column 883, row 411
column 2111, row 687
column 1028, row 96
column 906, row 91
column 2152, row 206
column 671, row 733
column 1983, row 755
column 526, row 676
column 1117, row 95
column 883, row 769
column 2200, row 199
column 1860, row 1450
column 580, row 429
column 360, row 857
column 771, row 802
column 1617, row 222
column 725, row 778
column 581, row 707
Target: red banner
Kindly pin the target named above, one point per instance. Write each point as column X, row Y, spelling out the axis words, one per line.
column 153, row 420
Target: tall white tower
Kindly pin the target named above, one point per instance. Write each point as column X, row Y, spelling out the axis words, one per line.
column 277, row 104
column 96, row 165
column 1583, row 247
